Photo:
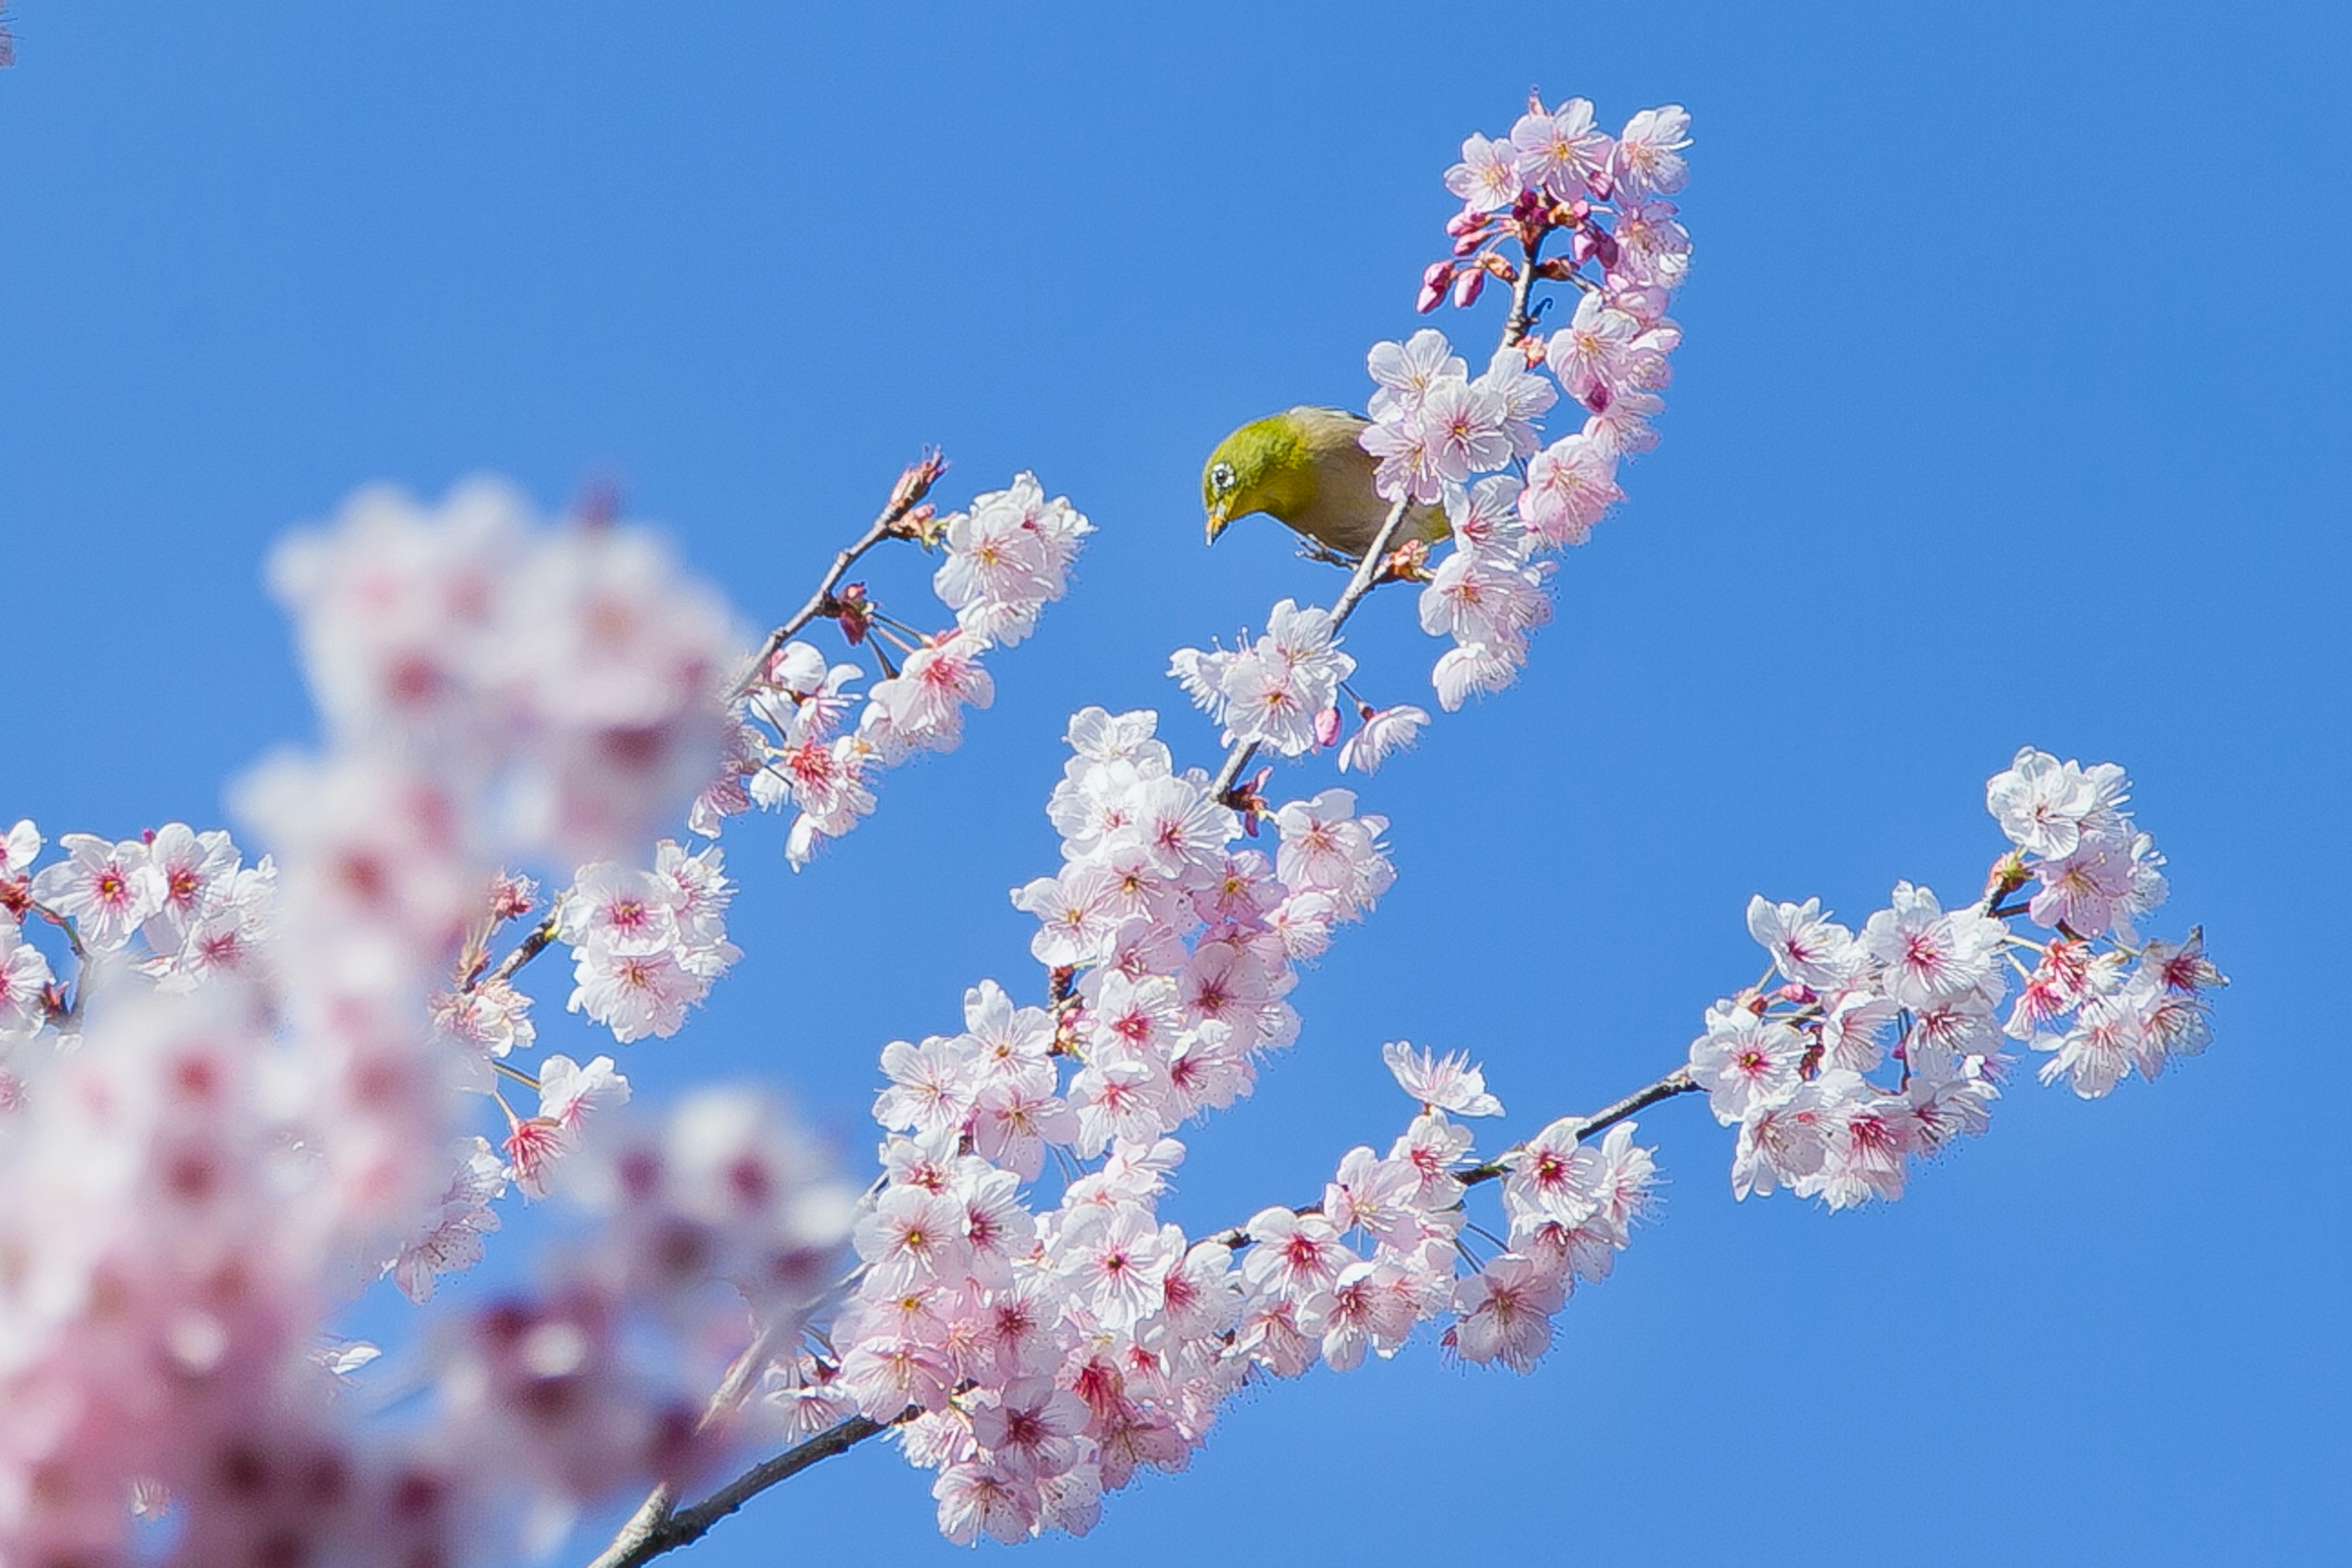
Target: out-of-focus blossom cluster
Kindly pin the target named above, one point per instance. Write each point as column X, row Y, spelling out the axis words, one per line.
column 233, row 1098
column 1917, row 994
column 567, row 680
column 804, row 735
column 1045, row 1351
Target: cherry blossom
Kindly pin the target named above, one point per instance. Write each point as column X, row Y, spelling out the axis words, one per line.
column 1449, row 1084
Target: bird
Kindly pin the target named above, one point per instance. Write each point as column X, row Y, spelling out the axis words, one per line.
column 1305, row 468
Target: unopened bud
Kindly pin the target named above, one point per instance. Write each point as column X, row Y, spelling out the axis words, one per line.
column 1466, row 287
column 1468, row 243
column 851, row 610
column 915, row 482
column 1469, row 220
column 1432, row 286
column 1326, row 726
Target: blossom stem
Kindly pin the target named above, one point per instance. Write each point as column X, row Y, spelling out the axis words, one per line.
column 517, row 1074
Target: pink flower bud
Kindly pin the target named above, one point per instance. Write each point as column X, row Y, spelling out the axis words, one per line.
column 1432, row 286
column 1469, row 220
column 1583, row 244
column 1326, row 723
column 1466, row 287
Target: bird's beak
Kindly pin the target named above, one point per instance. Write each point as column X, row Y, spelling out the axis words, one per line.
column 1218, row 518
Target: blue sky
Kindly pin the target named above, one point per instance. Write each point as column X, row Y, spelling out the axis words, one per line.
column 2012, row 409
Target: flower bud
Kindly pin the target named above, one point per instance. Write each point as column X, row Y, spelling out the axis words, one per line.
column 1432, row 286
column 1466, row 287
column 915, row 482
column 1326, row 726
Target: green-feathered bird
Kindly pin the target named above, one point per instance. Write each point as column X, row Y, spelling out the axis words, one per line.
column 1305, row 469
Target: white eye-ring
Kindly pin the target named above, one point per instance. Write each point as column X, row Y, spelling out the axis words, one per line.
column 1221, row 478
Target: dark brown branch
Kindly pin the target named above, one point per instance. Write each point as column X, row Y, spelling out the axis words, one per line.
column 657, row 1528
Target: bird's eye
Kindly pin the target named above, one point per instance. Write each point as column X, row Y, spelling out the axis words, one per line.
column 1221, row 478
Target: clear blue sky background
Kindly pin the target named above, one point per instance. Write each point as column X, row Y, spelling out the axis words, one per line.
column 2013, row 409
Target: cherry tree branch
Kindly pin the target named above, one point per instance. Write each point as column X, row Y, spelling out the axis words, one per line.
column 660, row 1526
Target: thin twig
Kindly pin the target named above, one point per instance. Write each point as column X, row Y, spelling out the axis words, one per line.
column 1675, row 1082
column 656, row 1527
column 882, row 527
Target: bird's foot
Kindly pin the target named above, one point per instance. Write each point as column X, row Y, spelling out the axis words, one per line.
column 1315, row 549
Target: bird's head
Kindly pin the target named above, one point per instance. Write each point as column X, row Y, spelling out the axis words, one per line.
column 1264, row 465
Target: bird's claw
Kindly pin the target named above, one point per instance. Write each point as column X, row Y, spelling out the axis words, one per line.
column 1315, row 549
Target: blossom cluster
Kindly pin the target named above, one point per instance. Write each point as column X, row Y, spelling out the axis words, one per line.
column 646, row 945
column 567, row 680
column 796, row 742
column 230, row 1104
column 1920, row 987
column 1435, row 429
column 1275, row 691
column 1472, row 447
column 1042, row 1353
